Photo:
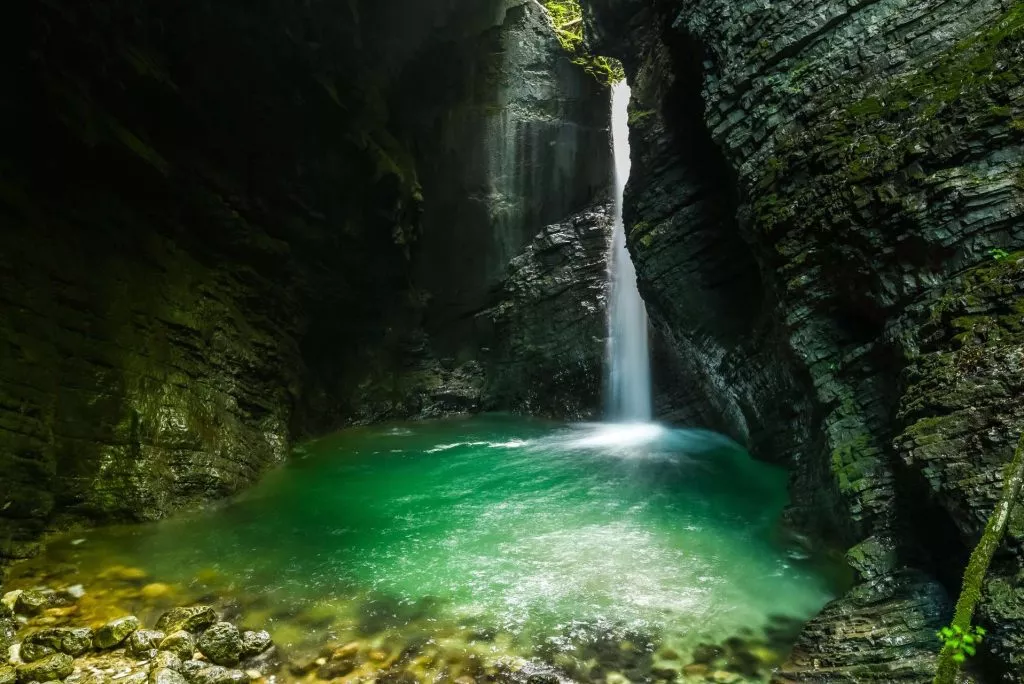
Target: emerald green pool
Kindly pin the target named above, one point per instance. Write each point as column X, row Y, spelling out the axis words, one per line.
column 523, row 541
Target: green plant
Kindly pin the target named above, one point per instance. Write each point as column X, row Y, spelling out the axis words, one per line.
column 977, row 568
column 999, row 254
column 961, row 643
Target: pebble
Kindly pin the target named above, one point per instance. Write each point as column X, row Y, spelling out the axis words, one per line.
column 125, row 573
column 156, row 590
column 346, row 651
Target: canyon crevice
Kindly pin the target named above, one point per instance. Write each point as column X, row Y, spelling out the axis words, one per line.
column 823, row 222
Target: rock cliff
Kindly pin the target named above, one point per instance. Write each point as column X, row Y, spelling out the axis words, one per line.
column 225, row 226
column 825, row 210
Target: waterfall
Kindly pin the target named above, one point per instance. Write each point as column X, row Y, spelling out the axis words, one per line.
column 629, row 369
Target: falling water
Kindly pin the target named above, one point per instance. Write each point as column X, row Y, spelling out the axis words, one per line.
column 629, row 371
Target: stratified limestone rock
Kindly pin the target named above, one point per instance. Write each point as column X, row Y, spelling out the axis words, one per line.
column 546, row 349
column 825, row 210
column 880, row 631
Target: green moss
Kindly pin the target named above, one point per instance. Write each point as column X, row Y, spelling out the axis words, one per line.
column 846, row 459
column 637, row 116
column 878, row 138
column 567, row 22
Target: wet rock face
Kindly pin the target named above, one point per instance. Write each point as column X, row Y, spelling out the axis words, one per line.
column 186, row 285
column 825, row 212
column 545, row 335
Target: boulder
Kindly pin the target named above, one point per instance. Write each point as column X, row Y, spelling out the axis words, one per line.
column 221, row 643
column 115, row 632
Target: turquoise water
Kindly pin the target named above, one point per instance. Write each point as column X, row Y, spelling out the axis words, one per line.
column 533, row 539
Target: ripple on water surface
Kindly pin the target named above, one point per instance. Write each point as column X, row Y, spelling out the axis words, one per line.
column 526, row 539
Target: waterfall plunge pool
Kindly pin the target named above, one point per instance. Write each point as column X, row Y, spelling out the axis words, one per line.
column 492, row 547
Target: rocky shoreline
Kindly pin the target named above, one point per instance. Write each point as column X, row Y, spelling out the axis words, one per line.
column 79, row 635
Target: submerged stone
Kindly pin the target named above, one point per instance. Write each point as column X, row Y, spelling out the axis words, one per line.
column 221, row 643
column 115, row 632
column 56, row 666
column 190, row 619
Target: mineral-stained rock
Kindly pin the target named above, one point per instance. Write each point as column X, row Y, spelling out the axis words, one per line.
column 115, row 632
column 191, row 619
column 221, row 643
column 56, row 666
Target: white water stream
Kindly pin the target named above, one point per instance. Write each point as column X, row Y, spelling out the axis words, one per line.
column 629, row 369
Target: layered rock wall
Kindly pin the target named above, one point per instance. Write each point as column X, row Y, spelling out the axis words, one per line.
column 843, row 182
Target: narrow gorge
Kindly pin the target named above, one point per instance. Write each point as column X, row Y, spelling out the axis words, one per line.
column 336, row 346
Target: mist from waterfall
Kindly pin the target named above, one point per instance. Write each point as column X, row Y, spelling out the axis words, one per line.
column 628, row 365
